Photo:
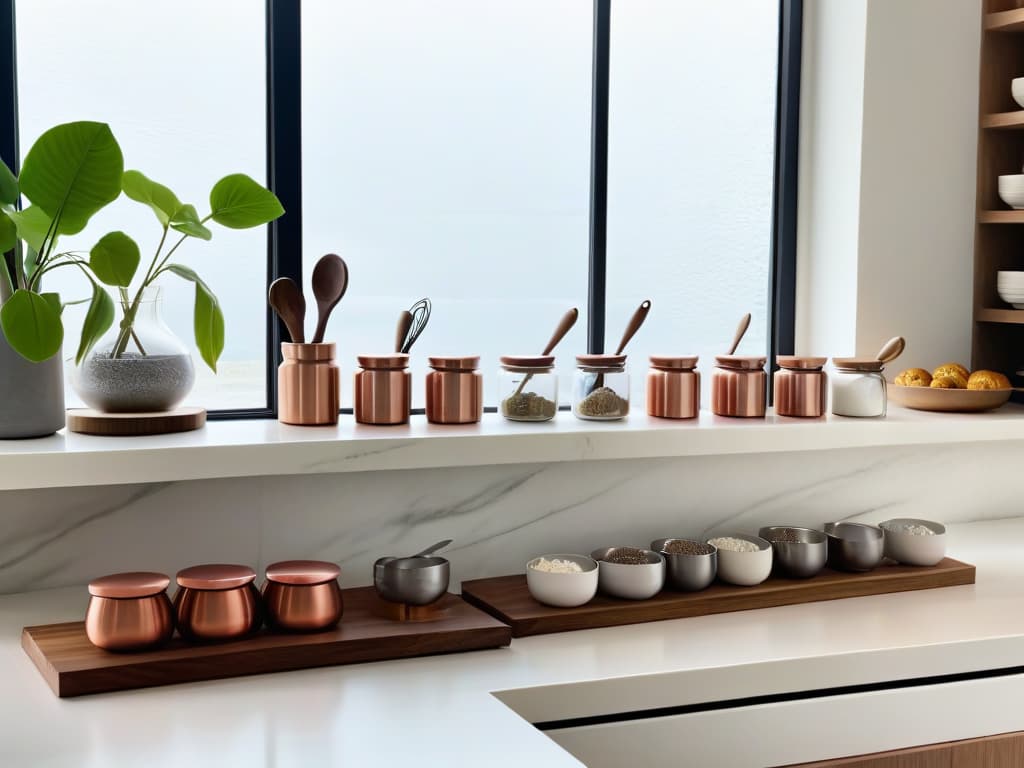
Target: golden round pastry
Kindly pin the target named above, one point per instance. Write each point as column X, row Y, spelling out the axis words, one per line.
column 987, row 380
column 914, row 377
column 952, row 369
column 948, row 382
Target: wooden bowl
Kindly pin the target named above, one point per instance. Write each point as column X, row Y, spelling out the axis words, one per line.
column 948, row 400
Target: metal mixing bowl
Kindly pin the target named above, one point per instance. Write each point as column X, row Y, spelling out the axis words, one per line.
column 411, row 580
column 799, row 559
column 854, row 546
column 688, row 573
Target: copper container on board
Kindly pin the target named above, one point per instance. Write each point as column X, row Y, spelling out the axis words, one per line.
column 307, row 385
column 739, row 386
column 383, row 389
column 455, row 390
column 801, row 386
column 302, row 595
column 217, row 602
column 129, row 611
column 673, row 387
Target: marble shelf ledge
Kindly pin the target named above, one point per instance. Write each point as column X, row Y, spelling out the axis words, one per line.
column 265, row 447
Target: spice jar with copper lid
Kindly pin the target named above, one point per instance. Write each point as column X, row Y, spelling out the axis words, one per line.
column 528, row 387
column 455, row 390
column 383, row 389
column 302, row 595
column 217, row 602
column 801, row 386
column 673, row 387
column 600, row 387
column 739, row 386
column 129, row 611
column 308, row 385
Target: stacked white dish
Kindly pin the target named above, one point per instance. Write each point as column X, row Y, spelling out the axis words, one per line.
column 1011, row 190
column 1010, row 286
column 1017, row 90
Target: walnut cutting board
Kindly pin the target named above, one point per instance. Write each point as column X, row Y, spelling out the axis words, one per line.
column 72, row 666
column 509, row 599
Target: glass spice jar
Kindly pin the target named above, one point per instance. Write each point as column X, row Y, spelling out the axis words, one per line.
column 382, row 390
column 858, row 388
column 455, row 390
column 739, row 386
column 801, row 386
column 673, row 387
column 528, row 388
column 600, row 387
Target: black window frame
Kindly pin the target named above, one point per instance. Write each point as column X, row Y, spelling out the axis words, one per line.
column 284, row 170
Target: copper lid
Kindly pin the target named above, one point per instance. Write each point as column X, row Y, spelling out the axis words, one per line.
column 857, row 364
column 674, row 362
column 601, row 361
column 134, row 584
column 796, row 363
column 216, row 576
column 391, row 360
column 741, row 362
column 528, row 361
column 305, row 572
column 307, row 352
column 454, row 362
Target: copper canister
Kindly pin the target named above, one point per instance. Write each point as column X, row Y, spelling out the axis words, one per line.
column 383, row 389
column 129, row 611
column 673, row 387
column 739, row 386
column 455, row 390
column 302, row 595
column 801, row 386
column 217, row 602
column 307, row 385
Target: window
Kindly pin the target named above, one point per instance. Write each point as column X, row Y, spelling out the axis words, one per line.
column 445, row 150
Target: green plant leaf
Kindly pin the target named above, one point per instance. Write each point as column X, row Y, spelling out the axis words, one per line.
column 72, row 171
column 208, row 318
column 158, row 197
column 186, row 220
column 98, row 318
column 54, row 301
column 114, row 259
column 239, row 202
column 8, row 233
column 8, row 185
column 32, row 224
column 32, row 326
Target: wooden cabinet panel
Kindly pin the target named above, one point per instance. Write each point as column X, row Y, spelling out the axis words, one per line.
column 1002, row 751
column 932, row 756
column 1005, row 751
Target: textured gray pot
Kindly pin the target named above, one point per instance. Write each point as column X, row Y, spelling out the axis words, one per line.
column 31, row 394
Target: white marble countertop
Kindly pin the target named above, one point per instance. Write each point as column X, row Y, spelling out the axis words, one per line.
column 449, row 710
column 250, row 448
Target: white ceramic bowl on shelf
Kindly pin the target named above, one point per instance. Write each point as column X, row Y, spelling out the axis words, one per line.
column 1017, row 90
column 632, row 582
column 563, row 590
column 914, row 548
column 744, row 569
column 1011, row 190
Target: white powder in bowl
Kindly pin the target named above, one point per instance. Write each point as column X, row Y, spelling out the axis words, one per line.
column 733, row 544
column 556, row 566
column 912, row 528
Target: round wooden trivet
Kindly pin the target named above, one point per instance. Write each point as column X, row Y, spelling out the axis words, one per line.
column 90, row 422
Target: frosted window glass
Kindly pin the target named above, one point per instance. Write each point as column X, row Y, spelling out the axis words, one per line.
column 183, row 88
column 446, row 154
column 691, row 142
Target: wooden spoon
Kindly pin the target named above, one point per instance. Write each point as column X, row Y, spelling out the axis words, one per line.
column 634, row 325
column 330, row 281
column 564, row 326
column 892, row 349
column 404, row 324
column 287, row 300
column 741, row 329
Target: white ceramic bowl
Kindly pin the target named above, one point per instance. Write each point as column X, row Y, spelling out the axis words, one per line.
column 563, row 590
column 1011, row 190
column 744, row 569
column 633, row 582
column 1017, row 90
column 912, row 548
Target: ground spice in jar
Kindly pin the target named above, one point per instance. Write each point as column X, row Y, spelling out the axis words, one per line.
column 784, row 536
column 603, row 401
column 528, row 405
column 627, row 556
column 687, row 547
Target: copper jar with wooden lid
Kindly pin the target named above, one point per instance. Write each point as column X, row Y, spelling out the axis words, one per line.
column 383, row 389
column 217, row 602
column 455, row 390
column 302, row 595
column 739, row 386
column 308, row 385
column 129, row 611
column 801, row 386
column 673, row 387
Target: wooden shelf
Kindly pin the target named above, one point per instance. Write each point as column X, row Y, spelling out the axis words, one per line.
column 1008, row 121
column 1012, row 316
column 1005, row 21
column 1001, row 217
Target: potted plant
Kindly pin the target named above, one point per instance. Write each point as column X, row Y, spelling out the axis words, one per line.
column 72, row 171
column 140, row 366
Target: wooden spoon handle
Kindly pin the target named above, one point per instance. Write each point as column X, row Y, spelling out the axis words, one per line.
column 741, row 329
column 634, row 324
column 565, row 324
column 892, row 349
column 404, row 324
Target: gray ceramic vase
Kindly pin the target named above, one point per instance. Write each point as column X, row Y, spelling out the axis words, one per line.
column 31, row 394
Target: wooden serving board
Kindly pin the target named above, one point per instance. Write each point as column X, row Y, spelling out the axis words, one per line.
column 72, row 666
column 508, row 598
column 89, row 422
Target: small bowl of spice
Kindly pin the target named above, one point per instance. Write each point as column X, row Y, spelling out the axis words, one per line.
column 743, row 560
column 563, row 581
column 690, row 565
column 630, row 572
column 854, row 546
column 914, row 542
column 798, row 552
